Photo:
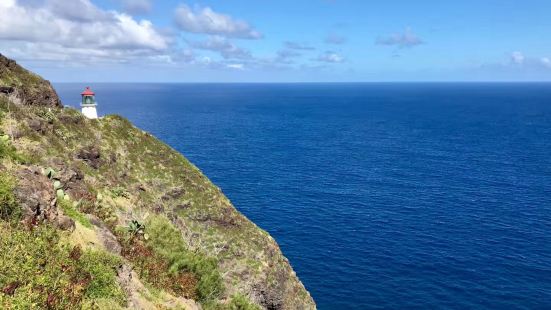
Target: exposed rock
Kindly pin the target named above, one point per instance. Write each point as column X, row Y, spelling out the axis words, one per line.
column 108, row 240
column 37, row 125
column 35, row 195
column 6, row 90
column 64, row 222
column 29, row 88
column 91, row 155
column 174, row 193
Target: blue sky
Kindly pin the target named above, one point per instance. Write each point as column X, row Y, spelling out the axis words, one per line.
column 279, row 41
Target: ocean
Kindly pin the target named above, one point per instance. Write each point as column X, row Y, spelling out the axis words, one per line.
column 382, row 196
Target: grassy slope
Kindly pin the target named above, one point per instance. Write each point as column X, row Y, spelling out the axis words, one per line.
column 195, row 235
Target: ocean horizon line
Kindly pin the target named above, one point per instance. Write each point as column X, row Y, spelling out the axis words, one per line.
column 308, row 83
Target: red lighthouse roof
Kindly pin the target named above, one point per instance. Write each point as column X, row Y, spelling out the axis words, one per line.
column 87, row 92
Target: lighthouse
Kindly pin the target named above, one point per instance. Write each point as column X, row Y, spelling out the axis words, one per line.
column 89, row 104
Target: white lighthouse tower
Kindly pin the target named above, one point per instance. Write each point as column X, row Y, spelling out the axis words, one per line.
column 89, row 104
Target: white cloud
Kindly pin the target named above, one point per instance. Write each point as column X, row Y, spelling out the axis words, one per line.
column 517, row 58
column 236, row 66
column 401, row 40
column 205, row 20
column 330, row 57
column 219, row 44
column 66, row 28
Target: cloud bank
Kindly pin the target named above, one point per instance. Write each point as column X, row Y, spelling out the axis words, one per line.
column 76, row 29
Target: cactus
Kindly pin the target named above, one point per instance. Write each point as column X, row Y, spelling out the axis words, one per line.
column 136, row 228
column 57, row 185
column 60, row 193
column 49, row 172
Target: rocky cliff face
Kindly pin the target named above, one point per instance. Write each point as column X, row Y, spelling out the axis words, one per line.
column 105, row 186
column 25, row 86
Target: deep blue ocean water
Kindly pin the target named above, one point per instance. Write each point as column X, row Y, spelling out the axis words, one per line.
column 381, row 195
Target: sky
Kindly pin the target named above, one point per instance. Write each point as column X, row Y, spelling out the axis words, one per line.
column 279, row 41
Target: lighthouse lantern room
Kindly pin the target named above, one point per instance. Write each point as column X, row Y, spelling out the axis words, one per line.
column 89, row 104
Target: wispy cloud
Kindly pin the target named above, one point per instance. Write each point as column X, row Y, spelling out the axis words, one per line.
column 330, row 57
column 519, row 60
column 207, row 21
column 298, row 46
column 401, row 40
column 219, row 44
column 137, row 6
column 335, row 39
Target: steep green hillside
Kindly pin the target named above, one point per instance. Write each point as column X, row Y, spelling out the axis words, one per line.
column 100, row 214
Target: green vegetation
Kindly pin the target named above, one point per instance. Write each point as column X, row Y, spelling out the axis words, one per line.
column 119, row 192
column 37, row 269
column 71, row 211
column 136, row 229
column 166, row 240
column 237, row 302
column 8, row 151
column 102, row 267
column 8, row 206
column 163, row 260
column 153, row 269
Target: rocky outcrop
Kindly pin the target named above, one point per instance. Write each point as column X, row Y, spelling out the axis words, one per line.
column 37, row 200
column 26, row 86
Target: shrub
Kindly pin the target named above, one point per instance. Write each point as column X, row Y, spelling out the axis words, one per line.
column 103, row 283
column 164, row 261
column 166, row 240
column 8, row 205
column 7, row 150
column 154, row 269
column 119, row 192
column 237, row 302
column 39, row 271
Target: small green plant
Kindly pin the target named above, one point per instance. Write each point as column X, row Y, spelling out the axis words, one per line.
column 46, row 114
column 136, row 229
column 119, row 192
column 49, row 172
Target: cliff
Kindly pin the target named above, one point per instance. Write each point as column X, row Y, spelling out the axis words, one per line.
column 100, row 214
